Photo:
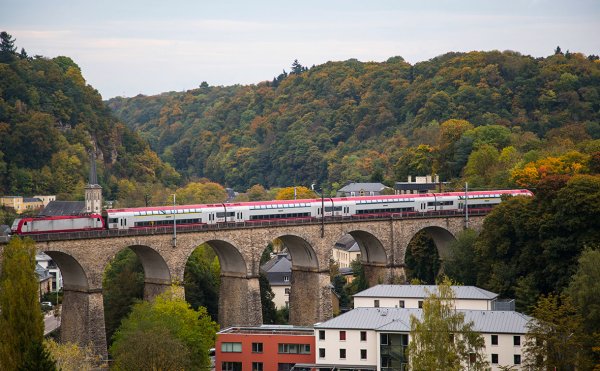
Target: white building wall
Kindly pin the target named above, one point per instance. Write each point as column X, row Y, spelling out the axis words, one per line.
column 353, row 345
column 363, row 302
column 505, row 350
column 281, row 298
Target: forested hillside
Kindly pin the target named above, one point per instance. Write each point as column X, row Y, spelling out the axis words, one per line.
column 493, row 118
column 50, row 120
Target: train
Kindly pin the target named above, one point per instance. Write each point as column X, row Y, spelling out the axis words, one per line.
column 277, row 210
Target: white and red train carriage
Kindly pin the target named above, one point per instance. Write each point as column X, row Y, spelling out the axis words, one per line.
column 277, row 210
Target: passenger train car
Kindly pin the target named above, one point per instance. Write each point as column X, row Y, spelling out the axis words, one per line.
column 355, row 207
column 288, row 210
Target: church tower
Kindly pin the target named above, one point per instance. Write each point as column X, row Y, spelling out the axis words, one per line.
column 93, row 191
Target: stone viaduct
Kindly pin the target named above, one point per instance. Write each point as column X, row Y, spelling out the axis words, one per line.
column 382, row 243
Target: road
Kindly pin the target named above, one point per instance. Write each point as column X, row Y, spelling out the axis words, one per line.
column 50, row 322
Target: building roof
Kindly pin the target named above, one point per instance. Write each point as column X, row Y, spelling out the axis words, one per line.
column 40, row 256
column 42, row 273
column 398, row 320
column 277, row 269
column 58, row 208
column 367, row 187
column 422, row 291
column 347, row 243
column 31, row 199
column 269, row 330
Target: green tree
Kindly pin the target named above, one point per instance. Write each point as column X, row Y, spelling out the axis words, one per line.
column 7, row 47
column 556, row 338
column 440, row 339
column 202, row 280
column 269, row 312
column 123, row 285
column 584, row 289
column 21, row 323
column 71, row 357
column 164, row 334
column 422, row 258
column 460, row 266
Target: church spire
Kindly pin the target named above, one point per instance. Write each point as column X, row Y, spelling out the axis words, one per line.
column 93, row 176
column 93, row 191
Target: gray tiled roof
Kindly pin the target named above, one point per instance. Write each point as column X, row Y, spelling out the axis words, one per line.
column 422, row 291
column 58, row 208
column 367, row 187
column 398, row 320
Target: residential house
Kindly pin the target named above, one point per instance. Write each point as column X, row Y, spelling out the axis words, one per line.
column 44, row 281
column 421, row 184
column 345, row 251
column 363, row 189
column 47, row 263
column 21, row 204
column 279, row 274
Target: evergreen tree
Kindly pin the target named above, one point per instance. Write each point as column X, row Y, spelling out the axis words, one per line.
column 21, row 325
column 269, row 312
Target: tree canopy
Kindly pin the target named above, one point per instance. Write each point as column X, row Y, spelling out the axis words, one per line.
column 21, row 322
column 164, row 334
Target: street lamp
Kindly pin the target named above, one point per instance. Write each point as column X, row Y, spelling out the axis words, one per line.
column 174, row 222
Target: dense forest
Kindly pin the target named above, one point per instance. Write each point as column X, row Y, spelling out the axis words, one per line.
column 50, row 122
column 492, row 118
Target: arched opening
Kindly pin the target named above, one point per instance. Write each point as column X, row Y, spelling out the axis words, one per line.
column 134, row 273
column 373, row 260
column 77, row 310
column 294, row 277
column 426, row 252
column 216, row 277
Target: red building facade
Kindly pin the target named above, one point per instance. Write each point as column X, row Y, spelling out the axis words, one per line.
column 264, row 348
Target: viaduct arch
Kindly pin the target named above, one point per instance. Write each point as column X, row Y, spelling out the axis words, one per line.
column 382, row 242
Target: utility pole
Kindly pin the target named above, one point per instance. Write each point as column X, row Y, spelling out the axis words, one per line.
column 312, row 186
column 466, row 205
column 174, row 222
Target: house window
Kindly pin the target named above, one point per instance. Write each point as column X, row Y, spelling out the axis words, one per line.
column 321, row 352
column 494, row 339
column 384, row 339
column 287, row 290
column 420, row 303
column 321, row 334
column 494, row 359
column 517, row 359
column 516, row 340
column 342, row 353
column 342, row 335
column 286, row 278
column 472, row 358
column 285, row 366
column 363, row 336
column 231, row 347
column 257, row 347
column 401, row 304
column 451, row 337
column 257, row 366
column 231, row 366
column 363, row 354
column 376, row 303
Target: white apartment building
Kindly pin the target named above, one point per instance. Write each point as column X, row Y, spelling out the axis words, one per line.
column 377, row 338
column 412, row 296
